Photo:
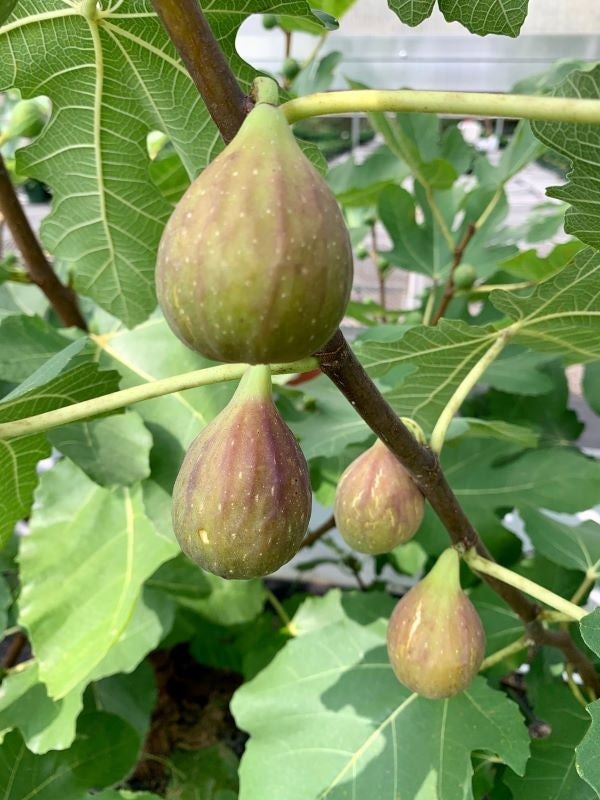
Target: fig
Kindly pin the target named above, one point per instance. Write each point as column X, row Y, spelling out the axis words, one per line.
column 255, row 263
column 269, row 21
column 361, row 252
column 242, row 498
column 382, row 263
column 377, row 504
column 464, row 276
column 290, row 69
column 413, row 318
column 435, row 638
column 27, row 119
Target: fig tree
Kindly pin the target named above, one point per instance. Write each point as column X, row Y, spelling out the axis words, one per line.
column 377, row 504
column 435, row 638
column 242, row 498
column 255, row 263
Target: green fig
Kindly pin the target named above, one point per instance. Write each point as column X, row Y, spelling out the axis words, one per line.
column 361, row 252
column 377, row 504
column 269, row 21
column 242, row 499
column 413, row 318
column 290, row 68
column 435, row 638
column 382, row 263
column 27, row 118
column 255, row 264
column 464, row 276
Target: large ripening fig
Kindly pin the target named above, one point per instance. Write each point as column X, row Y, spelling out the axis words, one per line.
column 242, row 499
column 377, row 504
column 255, row 263
column 435, row 638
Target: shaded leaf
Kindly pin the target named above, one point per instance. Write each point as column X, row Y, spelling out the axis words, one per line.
column 45, row 724
column 551, row 771
column 203, row 774
column 112, row 451
column 26, row 344
column 104, row 751
column 131, row 697
column 19, row 457
column 503, row 17
column 562, row 315
column 574, row 546
column 580, row 143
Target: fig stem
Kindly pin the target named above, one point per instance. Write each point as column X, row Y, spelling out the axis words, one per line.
column 514, row 647
column 479, row 564
column 265, row 90
column 463, row 389
column 136, row 394
column 281, row 613
column 482, row 104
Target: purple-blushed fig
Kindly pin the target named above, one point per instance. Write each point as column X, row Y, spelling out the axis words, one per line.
column 255, row 263
column 435, row 638
column 377, row 504
column 242, row 499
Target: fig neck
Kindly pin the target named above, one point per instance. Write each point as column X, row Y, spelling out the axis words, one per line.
column 444, row 577
column 255, row 384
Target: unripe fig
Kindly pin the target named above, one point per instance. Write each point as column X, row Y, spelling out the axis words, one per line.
column 269, row 21
column 27, row 118
column 464, row 276
column 361, row 252
column 290, row 68
column 382, row 263
column 435, row 638
column 255, row 263
column 413, row 318
column 242, row 499
column 377, row 504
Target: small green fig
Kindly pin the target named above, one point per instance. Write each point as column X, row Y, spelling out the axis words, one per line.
column 27, row 118
column 242, row 499
column 255, row 263
column 413, row 318
column 377, row 504
column 435, row 638
column 464, row 276
column 361, row 252
column 269, row 21
column 290, row 68
column 382, row 263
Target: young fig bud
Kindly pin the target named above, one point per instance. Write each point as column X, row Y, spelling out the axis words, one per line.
column 435, row 638
column 377, row 504
column 242, row 499
column 255, row 263
column 464, row 276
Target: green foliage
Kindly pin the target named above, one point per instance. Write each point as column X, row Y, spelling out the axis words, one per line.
column 340, row 669
column 481, row 17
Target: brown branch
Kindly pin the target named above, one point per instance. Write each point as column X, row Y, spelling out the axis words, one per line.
column 315, row 535
column 14, row 650
column 449, row 287
column 62, row 298
column 191, row 34
column 342, row 367
column 194, row 40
